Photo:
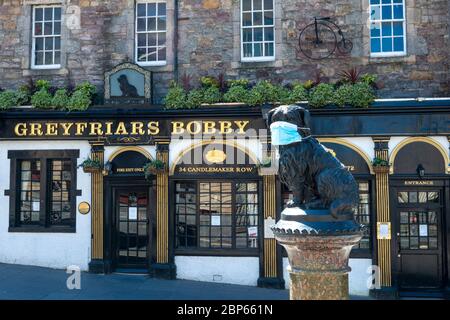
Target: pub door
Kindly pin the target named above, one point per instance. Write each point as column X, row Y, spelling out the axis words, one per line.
column 418, row 237
column 131, row 228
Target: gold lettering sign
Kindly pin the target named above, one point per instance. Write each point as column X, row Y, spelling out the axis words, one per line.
column 419, row 183
column 248, row 169
column 133, row 128
column 129, row 170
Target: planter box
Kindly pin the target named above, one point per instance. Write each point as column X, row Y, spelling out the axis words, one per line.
column 381, row 169
column 91, row 170
column 267, row 171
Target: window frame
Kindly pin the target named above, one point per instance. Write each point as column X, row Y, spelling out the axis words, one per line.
column 388, row 54
column 45, row 156
column 202, row 251
column 241, row 27
column 34, row 37
column 158, row 63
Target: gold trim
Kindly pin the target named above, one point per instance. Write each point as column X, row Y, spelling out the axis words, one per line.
column 205, row 142
column 351, row 146
column 97, row 208
column 162, row 211
column 270, row 209
column 130, row 148
column 434, row 143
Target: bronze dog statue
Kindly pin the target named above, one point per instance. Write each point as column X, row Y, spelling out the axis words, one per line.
column 315, row 177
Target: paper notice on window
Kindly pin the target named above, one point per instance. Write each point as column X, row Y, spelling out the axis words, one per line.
column 132, row 213
column 423, row 230
column 215, row 220
column 268, row 224
column 253, row 232
column 36, row 206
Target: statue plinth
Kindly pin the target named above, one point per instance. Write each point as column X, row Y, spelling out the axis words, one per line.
column 318, row 247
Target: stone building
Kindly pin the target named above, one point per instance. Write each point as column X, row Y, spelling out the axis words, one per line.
column 210, row 220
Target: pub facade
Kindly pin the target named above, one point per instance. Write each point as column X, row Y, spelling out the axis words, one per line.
column 128, row 185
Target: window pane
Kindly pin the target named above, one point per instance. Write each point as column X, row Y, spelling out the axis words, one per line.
column 151, row 24
column 247, row 35
column 386, row 12
column 246, row 5
column 162, row 23
column 268, row 17
column 375, row 45
column 38, row 14
column 162, row 54
column 49, row 43
column 48, row 14
column 151, row 10
column 257, row 18
column 398, row 12
column 151, row 39
column 268, row 4
column 161, row 9
column 38, row 29
column 141, row 24
column 398, row 28
column 386, row 29
column 247, row 19
column 141, row 10
column 57, row 30
column 257, row 4
column 269, row 49
column 387, row 44
column 375, row 13
column 375, row 30
column 142, row 39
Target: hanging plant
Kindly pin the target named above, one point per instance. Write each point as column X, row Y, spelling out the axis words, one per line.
column 154, row 167
column 378, row 162
column 265, row 167
column 90, row 166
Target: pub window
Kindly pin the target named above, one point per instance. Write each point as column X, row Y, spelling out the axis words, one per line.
column 257, row 30
column 387, row 28
column 43, row 189
column 362, row 212
column 216, row 215
column 151, row 22
column 46, row 37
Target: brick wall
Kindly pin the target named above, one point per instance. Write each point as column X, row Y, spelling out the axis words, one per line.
column 209, row 38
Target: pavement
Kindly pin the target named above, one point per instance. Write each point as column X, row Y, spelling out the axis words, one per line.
column 19, row 282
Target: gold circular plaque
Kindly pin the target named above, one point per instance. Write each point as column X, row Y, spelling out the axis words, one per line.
column 215, row 156
column 84, row 208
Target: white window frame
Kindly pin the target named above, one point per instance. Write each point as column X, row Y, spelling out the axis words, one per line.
column 242, row 27
column 136, row 32
column 381, row 20
column 33, row 36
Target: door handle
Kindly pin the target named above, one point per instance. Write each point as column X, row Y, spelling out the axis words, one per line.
column 398, row 245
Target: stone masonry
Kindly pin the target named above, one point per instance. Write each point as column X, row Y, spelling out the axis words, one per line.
column 208, row 43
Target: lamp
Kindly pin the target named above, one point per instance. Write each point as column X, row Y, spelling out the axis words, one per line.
column 107, row 168
column 420, row 171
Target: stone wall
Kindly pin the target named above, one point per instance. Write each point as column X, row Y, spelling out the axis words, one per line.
column 209, row 44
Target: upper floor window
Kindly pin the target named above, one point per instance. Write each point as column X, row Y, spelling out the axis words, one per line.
column 257, row 30
column 151, row 21
column 46, row 33
column 387, row 28
column 43, row 190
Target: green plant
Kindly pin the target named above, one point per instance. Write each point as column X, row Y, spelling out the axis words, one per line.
column 264, row 163
column 42, row 99
column 79, row 101
column 308, row 84
column 86, row 87
column 89, row 163
column 369, row 79
column 153, row 167
column 8, row 99
column 238, row 83
column 176, row 97
column 60, row 99
column 378, row 162
column 42, row 84
column 211, row 95
column 359, row 95
column 236, row 93
column 298, row 93
column 194, row 99
column 321, row 95
column 266, row 92
column 208, row 82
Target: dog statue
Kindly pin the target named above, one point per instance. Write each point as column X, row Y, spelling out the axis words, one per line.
column 315, row 177
column 128, row 90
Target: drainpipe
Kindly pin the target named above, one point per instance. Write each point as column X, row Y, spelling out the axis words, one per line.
column 175, row 44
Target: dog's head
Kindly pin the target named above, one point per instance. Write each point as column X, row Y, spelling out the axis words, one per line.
column 122, row 79
column 290, row 113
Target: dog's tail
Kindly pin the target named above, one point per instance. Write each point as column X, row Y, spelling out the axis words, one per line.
column 342, row 206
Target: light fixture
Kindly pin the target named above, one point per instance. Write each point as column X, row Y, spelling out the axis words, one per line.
column 107, row 168
column 420, row 171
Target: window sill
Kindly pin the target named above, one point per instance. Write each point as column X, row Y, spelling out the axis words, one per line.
column 257, row 64
column 38, row 229
column 38, row 72
column 218, row 252
column 49, row 67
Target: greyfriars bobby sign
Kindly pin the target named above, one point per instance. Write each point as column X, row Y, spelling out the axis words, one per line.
column 128, row 84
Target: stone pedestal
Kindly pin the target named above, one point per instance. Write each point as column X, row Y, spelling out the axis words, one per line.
column 318, row 247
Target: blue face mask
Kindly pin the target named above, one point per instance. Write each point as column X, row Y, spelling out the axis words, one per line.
column 284, row 133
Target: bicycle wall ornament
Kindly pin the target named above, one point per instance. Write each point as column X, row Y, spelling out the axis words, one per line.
column 318, row 40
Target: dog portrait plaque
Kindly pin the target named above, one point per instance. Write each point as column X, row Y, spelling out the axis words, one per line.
column 128, row 84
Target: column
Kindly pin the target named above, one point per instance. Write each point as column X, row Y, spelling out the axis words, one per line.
column 164, row 266
column 382, row 213
column 271, row 266
column 97, row 264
